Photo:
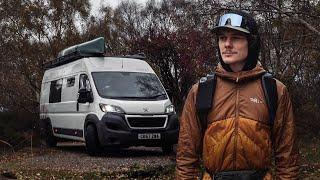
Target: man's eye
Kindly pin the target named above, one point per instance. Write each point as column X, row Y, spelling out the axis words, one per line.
column 238, row 37
column 222, row 38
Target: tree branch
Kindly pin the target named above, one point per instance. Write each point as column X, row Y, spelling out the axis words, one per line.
column 305, row 23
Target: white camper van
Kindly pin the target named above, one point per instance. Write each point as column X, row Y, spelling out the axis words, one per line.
column 105, row 101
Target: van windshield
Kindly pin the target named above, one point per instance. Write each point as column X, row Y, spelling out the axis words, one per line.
column 129, row 85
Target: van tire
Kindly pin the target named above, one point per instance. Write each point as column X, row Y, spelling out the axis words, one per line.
column 92, row 143
column 49, row 138
column 167, row 149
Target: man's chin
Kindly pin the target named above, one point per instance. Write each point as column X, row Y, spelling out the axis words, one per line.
column 229, row 61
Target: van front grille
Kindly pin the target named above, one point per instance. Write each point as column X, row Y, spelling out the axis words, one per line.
column 146, row 122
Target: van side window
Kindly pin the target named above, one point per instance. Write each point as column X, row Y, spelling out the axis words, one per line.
column 84, row 82
column 55, row 91
column 70, row 81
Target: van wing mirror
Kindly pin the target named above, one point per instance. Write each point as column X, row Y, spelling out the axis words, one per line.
column 85, row 96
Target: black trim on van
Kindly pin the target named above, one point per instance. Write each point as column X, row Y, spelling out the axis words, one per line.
column 113, row 130
column 69, row 132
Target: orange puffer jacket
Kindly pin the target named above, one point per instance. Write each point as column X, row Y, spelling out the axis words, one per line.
column 238, row 135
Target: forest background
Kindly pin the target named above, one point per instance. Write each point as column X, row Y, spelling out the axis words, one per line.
column 174, row 35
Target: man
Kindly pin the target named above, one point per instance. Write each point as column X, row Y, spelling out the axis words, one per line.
column 238, row 142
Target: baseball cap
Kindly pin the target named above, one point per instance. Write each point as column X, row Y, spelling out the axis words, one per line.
column 232, row 21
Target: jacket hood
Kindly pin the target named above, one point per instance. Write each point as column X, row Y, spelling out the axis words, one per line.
column 256, row 72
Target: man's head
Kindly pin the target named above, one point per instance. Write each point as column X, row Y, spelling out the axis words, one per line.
column 239, row 41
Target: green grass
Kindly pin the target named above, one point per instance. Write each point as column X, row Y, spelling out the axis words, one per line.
column 131, row 173
column 10, row 165
column 309, row 150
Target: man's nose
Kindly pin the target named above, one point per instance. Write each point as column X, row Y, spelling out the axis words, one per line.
column 228, row 42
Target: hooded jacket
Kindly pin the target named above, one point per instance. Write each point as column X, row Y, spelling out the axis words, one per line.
column 238, row 134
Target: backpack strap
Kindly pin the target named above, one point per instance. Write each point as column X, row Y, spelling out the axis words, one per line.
column 206, row 89
column 269, row 86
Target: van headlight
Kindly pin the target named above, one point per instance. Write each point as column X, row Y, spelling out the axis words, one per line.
column 169, row 109
column 111, row 108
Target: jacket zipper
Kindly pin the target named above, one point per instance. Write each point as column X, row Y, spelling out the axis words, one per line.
column 236, row 125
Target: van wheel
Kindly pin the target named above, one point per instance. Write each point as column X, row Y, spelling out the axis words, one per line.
column 91, row 137
column 49, row 138
column 167, row 149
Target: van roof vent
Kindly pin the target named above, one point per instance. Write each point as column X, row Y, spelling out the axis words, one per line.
column 93, row 48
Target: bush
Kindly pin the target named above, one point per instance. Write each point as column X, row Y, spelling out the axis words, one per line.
column 16, row 128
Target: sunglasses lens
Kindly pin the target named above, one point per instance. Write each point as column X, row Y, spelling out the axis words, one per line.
column 230, row 19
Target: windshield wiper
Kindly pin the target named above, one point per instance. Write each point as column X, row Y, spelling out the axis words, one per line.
column 125, row 97
column 138, row 97
column 155, row 96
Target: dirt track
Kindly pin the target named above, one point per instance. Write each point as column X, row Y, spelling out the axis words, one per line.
column 73, row 158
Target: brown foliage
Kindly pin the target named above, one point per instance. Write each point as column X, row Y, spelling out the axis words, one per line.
column 174, row 35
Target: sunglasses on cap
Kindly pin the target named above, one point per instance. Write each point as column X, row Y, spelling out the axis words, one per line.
column 232, row 21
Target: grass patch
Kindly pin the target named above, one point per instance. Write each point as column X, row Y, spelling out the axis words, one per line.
column 162, row 172
column 132, row 173
column 10, row 165
column 309, row 151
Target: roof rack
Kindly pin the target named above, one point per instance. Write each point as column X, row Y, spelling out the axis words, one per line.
column 141, row 56
column 94, row 48
column 68, row 58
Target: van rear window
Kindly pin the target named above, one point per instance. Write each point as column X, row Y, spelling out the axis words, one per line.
column 55, row 91
column 129, row 85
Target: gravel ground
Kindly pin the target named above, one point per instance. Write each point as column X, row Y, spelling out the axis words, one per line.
column 73, row 157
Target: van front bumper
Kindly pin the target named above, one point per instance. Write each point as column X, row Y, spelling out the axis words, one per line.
column 113, row 130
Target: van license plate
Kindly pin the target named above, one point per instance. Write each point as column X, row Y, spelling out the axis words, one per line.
column 149, row 136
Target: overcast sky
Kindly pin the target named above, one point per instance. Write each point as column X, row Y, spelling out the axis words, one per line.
column 113, row 3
